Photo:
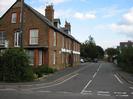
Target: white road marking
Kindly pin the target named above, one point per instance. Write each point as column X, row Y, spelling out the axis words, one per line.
column 122, row 95
column 103, row 92
column 84, row 89
column 8, row 89
column 120, row 92
column 99, row 68
column 131, row 93
column 44, row 91
column 86, row 86
column 63, row 92
column 87, row 91
column 55, row 84
column 94, row 75
column 118, row 79
column 87, row 94
column 131, row 87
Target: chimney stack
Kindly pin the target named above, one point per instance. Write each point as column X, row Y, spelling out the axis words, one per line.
column 49, row 12
column 68, row 27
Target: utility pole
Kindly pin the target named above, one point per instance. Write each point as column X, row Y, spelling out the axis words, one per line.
column 21, row 23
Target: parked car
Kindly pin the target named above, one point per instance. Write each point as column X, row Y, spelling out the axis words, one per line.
column 95, row 60
column 82, row 60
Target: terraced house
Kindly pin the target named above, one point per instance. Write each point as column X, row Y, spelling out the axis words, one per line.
column 44, row 40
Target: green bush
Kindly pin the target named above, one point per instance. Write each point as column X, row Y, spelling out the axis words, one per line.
column 43, row 70
column 1, row 66
column 15, row 66
column 125, row 59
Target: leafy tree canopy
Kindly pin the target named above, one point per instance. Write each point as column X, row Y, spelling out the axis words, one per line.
column 90, row 50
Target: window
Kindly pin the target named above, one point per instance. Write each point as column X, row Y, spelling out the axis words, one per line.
column 2, row 38
column 14, row 18
column 17, row 39
column 54, row 39
column 33, row 36
column 125, row 45
column 54, row 57
column 30, row 53
column 40, row 57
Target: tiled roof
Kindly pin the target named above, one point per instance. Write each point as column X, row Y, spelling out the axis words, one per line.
column 57, row 20
column 49, row 23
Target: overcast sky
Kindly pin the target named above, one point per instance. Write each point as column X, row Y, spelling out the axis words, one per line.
column 108, row 21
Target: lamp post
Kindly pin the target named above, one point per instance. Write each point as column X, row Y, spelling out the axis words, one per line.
column 21, row 23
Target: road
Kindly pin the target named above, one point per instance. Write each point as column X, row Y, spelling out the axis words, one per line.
column 90, row 81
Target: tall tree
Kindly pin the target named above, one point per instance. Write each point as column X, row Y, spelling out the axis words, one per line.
column 91, row 41
column 111, row 52
column 90, row 50
column 100, row 52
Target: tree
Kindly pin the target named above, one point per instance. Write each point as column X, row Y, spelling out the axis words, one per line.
column 125, row 59
column 111, row 52
column 90, row 50
column 91, row 41
column 100, row 52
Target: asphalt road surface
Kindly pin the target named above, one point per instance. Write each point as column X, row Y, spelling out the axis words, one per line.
column 90, row 81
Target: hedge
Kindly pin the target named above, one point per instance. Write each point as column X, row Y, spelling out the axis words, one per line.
column 15, row 66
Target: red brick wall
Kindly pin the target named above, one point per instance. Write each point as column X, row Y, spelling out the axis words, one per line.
column 31, row 21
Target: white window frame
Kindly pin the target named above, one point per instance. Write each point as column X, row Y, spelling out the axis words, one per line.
column 54, row 43
column 54, row 57
column 17, row 39
column 2, row 38
column 125, row 45
column 14, row 17
column 40, row 57
column 34, row 34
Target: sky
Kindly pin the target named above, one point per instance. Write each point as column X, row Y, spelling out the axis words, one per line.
column 109, row 22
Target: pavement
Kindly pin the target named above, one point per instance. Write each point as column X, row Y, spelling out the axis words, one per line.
column 126, row 76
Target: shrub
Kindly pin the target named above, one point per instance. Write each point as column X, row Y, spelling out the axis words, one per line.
column 1, row 66
column 125, row 59
column 15, row 66
column 43, row 70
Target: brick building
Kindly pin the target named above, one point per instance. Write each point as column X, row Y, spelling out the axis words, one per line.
column 44, row 40
column 126, row 44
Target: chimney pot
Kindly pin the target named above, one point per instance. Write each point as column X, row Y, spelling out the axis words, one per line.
column 49, row 12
